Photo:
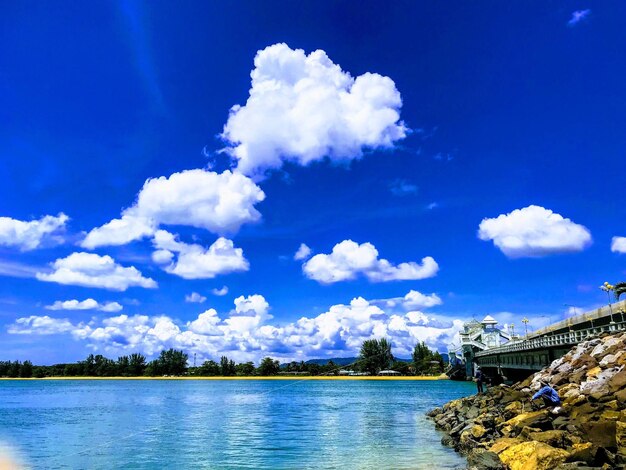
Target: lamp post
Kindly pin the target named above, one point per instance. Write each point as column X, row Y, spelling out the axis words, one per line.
column 608, row 288
column 525, row 322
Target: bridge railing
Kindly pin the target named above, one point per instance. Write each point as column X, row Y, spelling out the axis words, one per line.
column 551, row 340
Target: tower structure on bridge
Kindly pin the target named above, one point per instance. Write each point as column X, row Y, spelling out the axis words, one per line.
column 477, row 336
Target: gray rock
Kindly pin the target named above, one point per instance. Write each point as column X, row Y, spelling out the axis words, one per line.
column 484, row 460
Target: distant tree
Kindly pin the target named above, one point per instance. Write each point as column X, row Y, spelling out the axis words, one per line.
column 123, row 366
column 14, row 369
column 72, row 370
column 314, row 369
column 26, row 370
column 269, row 367
column 401, row 366
column 4, row 368
column 375, row 355
column 136, row 365
column 426, row 361
column 172, row 362
column 209, row 369
column 227, row 367
column 245, row 369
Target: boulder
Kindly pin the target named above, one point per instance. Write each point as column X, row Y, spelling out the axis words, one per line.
column 533, row 455
column 608, row 346
column 620, row 441
column 535, row 419
column 583, row 452
column 618, row 381
column 600, row 433
column 484, row 460
column 503, row 444
column 477, row 431
column 621, row 396
column 553, row 438
column 447, row 441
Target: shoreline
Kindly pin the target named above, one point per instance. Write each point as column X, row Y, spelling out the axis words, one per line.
column 300, row 378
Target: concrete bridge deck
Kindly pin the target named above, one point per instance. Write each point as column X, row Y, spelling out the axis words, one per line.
column 519, row 358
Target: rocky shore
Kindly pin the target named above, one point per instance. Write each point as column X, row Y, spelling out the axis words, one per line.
column 499, row 429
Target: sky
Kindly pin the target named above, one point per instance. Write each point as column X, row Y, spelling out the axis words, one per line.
column 288, row 179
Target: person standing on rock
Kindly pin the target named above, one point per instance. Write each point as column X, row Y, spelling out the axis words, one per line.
column 479, row 377
column 550, row 397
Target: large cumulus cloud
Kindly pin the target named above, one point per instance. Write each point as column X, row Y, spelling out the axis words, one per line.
column 303, row 108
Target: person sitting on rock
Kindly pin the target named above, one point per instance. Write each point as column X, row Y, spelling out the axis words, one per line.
column 550, row 397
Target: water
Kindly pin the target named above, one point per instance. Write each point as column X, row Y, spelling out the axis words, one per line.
column 303, row 424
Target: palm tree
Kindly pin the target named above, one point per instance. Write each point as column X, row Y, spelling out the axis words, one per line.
column 619, row 289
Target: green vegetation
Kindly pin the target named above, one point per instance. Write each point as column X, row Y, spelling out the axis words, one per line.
column 425, row 361
column 375, row 355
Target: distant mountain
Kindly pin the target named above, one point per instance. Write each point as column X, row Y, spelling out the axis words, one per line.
column 344, row 361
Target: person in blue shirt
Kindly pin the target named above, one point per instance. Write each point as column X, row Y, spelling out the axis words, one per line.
column 550, row 397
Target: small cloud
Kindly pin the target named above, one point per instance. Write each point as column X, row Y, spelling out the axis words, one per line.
column 349, row 260
column 401, row 187
column 87, row 304
column 220, row 292
column 534, row 231
column 618, row 245
column 303, row 252
column 578, row 16
column 432, row 205
column 92, row 270
column 195, row 298
column 573, row 311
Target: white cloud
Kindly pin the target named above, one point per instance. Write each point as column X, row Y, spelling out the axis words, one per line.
column 533, row 232
column 41, row 325
column 411, row 301
column 220, row 292
column 618, row 245
column 303, row 108
column 303, row 252
column 349, row 260
column 218, row 202
column 87, row 304
column 194, row 261
column 31, row 235
column 91, row 270
column 245, row 333
column 578, row 16
column 196, row 298
column 402, row 187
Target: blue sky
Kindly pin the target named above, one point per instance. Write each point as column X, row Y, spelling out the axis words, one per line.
column 439, row 163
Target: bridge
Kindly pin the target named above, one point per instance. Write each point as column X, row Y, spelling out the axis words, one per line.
column 520, row 356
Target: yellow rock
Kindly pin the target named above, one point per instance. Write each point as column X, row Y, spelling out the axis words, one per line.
column 526, row 419
column 533, row 455
column 478, row 431
column 593, row 373
column 504, row 443
column 610, row 415
column 513, row 406
column 612, row 405
column 620, row 438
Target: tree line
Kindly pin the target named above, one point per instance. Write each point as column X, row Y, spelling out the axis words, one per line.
column 375, row 355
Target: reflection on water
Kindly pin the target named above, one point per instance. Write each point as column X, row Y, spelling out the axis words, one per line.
column 227, row 424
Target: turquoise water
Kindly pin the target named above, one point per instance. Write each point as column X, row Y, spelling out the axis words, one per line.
column 84, row 424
